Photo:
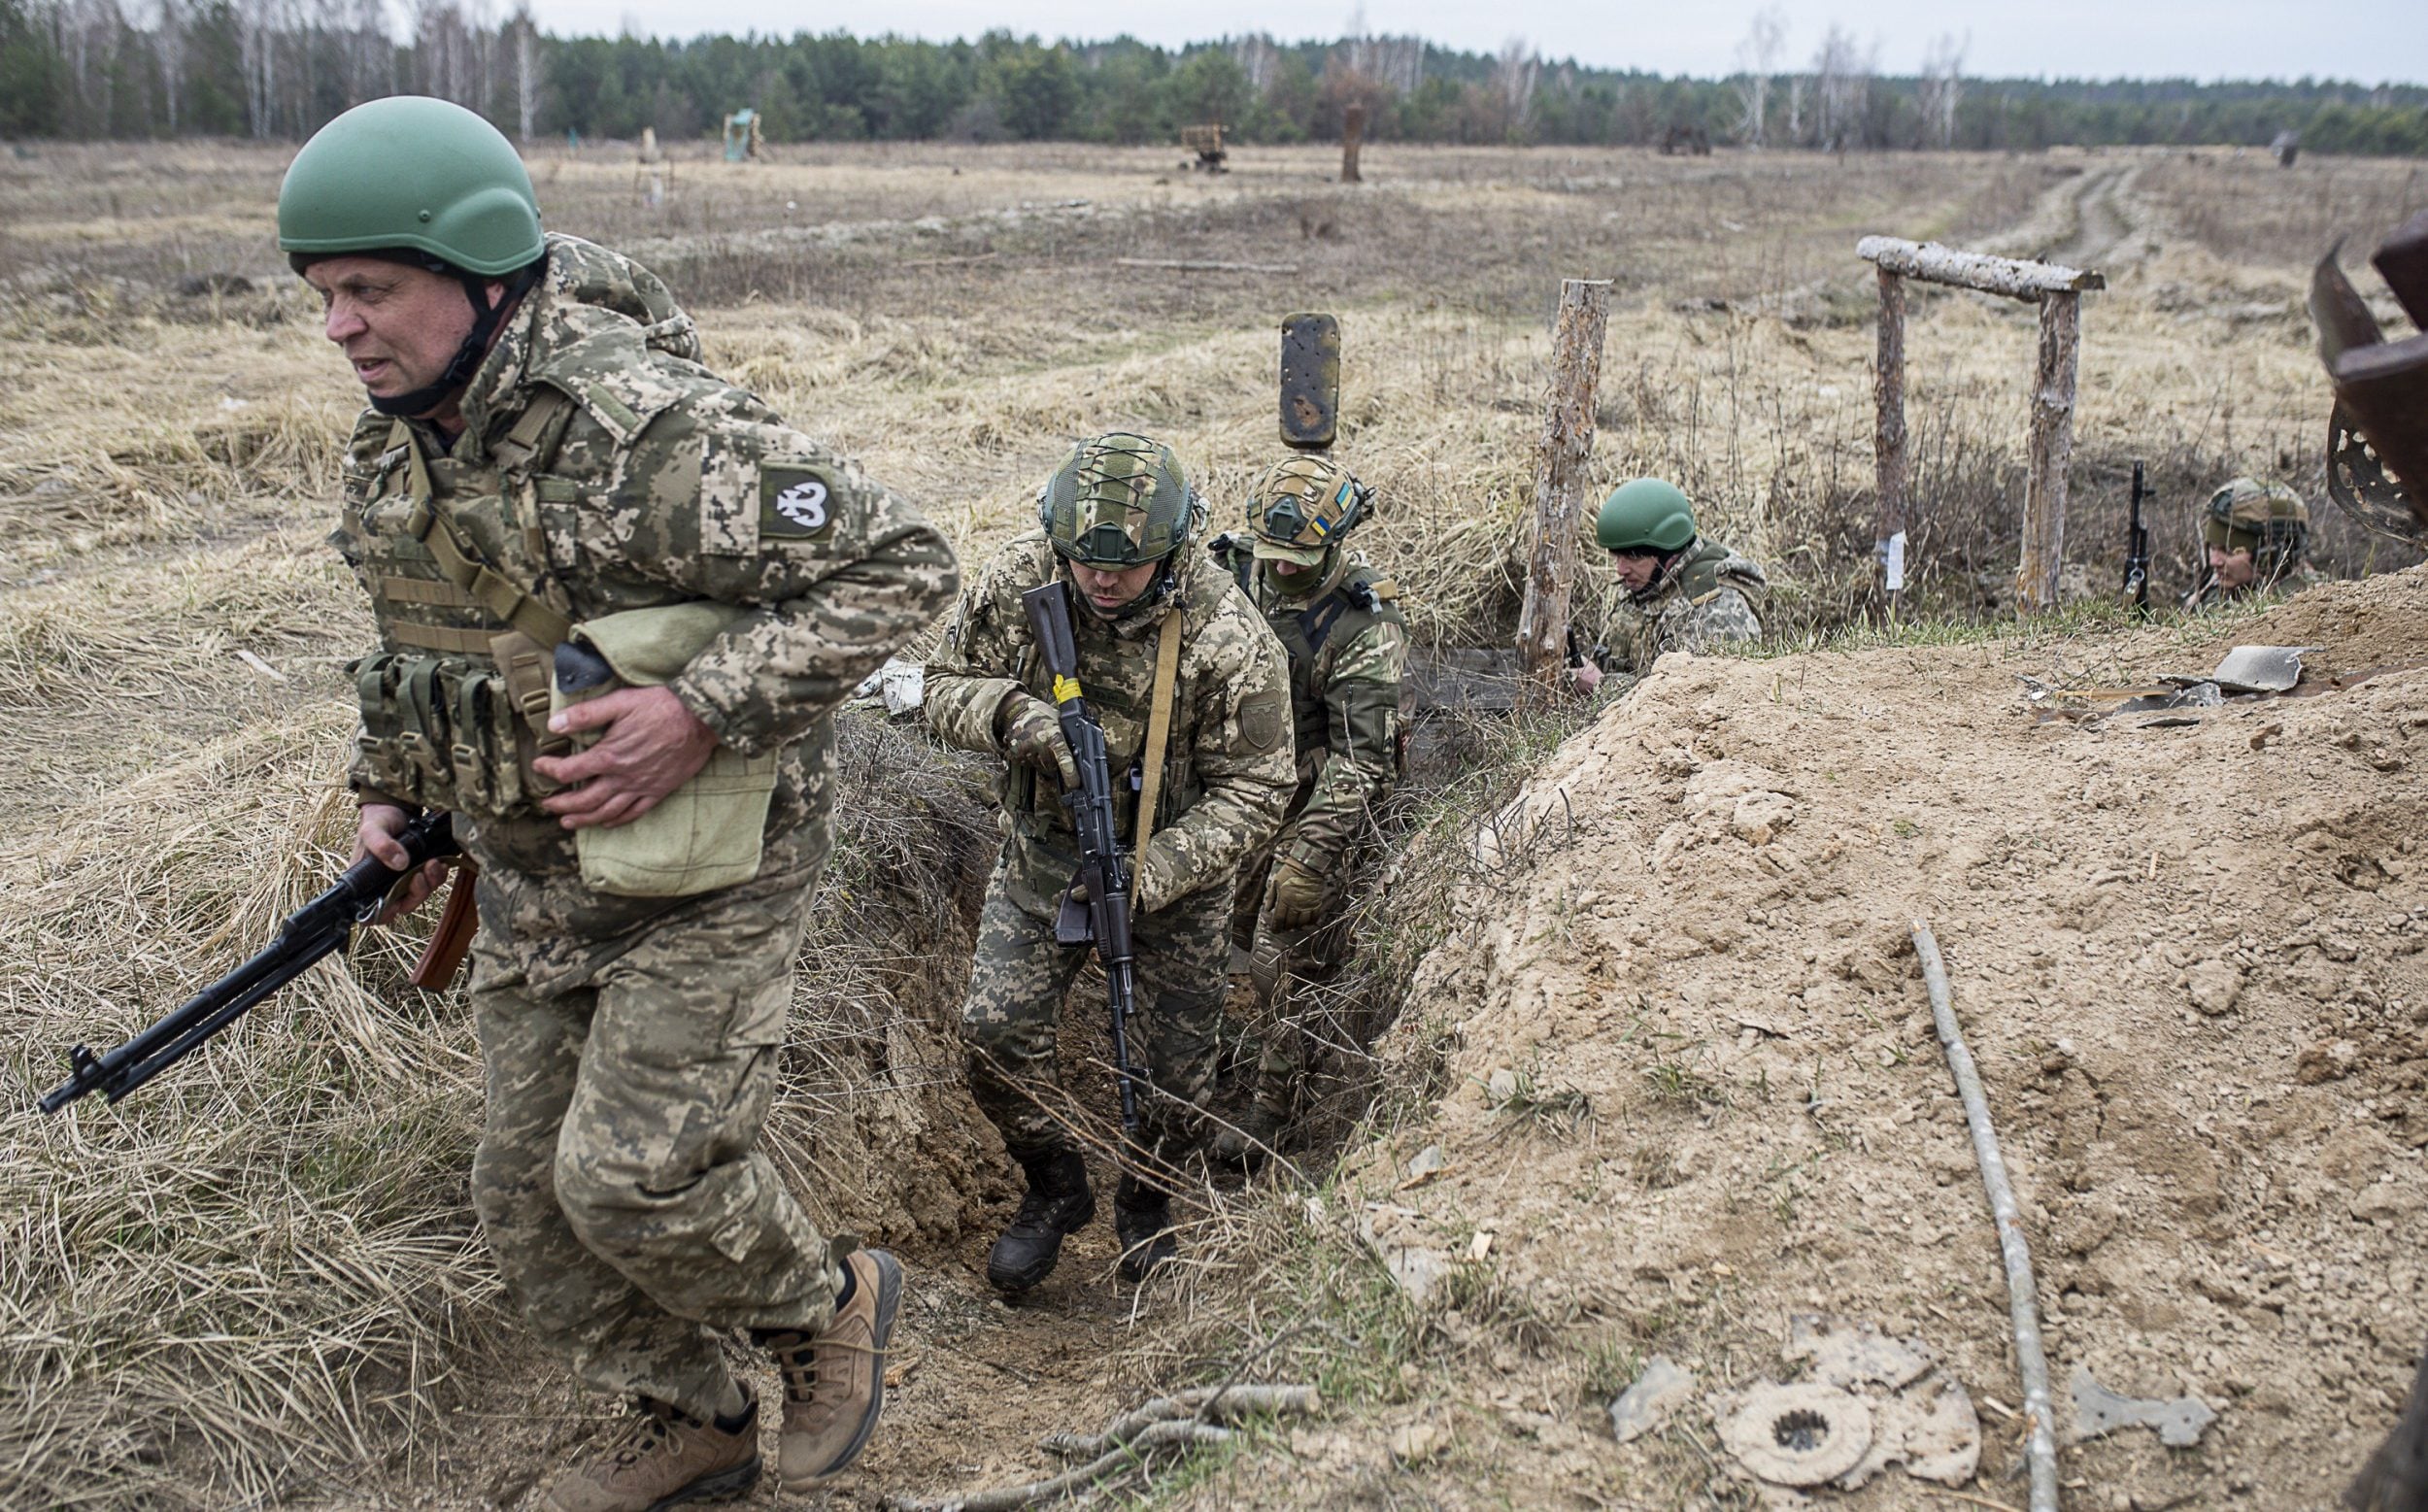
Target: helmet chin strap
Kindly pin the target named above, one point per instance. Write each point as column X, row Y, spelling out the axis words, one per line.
column 485, row 318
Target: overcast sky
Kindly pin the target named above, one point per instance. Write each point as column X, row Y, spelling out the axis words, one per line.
column 2373, row 41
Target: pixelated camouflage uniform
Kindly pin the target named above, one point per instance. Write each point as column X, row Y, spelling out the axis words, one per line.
column 1708, row 598
column 1348, row 648
column 1227, row 778
column 628, row 1044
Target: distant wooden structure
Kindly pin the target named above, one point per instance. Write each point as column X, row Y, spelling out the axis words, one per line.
column 1207, row 142
column 742, row 137
column 653, row 169
column 1686, row 141
column 2058, row 291
column 1352, row 138
column 1543, row 637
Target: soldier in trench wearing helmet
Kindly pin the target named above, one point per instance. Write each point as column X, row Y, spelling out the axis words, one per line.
column 1339, row 621
column 1681, row 591
column 1116, row 521
column 546, row 471
column 2253, row 535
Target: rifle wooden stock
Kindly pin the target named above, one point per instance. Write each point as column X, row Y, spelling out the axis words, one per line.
column 451, row 940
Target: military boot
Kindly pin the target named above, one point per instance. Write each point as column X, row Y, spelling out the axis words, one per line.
column 1259, row 1129
column 1142, row 1220
column 1058, row 1203
column 663, row 1456
column 834, row 1383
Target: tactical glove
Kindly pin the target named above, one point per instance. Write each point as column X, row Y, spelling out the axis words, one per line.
column 1033, row 735
column 1294, row 898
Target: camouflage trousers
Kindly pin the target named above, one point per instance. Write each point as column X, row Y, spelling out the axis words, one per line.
column 1012, row 1020
column 619, row 1178
column 1284, row 970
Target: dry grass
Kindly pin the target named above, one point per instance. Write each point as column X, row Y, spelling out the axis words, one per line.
column 242, row 1274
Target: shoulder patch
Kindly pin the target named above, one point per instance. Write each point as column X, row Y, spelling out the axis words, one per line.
column 795, row 502
column 1262, row 717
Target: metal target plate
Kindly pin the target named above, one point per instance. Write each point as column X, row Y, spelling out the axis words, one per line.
column 1311, row 380
column 2363, row 488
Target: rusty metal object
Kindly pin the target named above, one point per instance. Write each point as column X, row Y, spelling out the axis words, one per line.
column 1311, row 380
column 2382, row 386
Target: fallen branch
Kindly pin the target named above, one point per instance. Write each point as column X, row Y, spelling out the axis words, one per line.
column 1205, row 1404
column 2022, row 1293
column 1165, row 1424
column 1184, row 265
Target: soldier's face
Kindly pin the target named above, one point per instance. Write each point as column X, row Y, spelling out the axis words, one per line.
column 1108, row 590
column 398, row 326
column 2233, row 568
column 1637, row 569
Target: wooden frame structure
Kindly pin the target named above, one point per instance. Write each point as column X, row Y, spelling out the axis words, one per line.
column 2058, row 291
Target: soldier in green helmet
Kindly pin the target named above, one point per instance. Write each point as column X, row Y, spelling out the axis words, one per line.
column 1681, row 592
column 2254, row 534
column 1157, row 627
column 547, row 496
column 1339, row 621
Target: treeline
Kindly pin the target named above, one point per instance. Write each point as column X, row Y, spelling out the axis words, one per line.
column 278, row 67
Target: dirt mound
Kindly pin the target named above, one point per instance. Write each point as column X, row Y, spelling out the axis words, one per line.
column 1691, row 1086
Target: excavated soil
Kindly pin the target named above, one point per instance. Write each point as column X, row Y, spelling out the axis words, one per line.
column 2186, row 957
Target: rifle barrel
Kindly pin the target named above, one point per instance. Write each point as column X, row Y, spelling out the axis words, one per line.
column 318, row 928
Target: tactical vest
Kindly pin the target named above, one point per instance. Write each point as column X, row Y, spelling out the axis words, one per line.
column 1358, row 600
column 454, row 704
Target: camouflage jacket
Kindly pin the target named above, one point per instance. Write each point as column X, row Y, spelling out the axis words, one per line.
column 1710, row 598
column 601, row 468
column 1348, row 648
column 1227, row 770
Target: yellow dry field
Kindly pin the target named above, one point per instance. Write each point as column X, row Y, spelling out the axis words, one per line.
column 260, row 1274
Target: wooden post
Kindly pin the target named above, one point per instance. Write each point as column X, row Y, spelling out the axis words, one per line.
column 2052, row 448
column 1352, row 136
column 1542, row 638
column 1888, row 435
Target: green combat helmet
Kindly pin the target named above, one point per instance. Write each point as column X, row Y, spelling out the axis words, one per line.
column 1116, row 501
column 2267, row 519
column 1301, row 506
column 1646, row 515
column 427, row 183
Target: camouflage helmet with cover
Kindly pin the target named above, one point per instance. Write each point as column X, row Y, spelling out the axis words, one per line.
column 1646, row 515
column 2267, row 519
column 1116, row 501
column 1301, row 506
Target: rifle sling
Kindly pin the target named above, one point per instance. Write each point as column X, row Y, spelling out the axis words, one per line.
column 1158, row 736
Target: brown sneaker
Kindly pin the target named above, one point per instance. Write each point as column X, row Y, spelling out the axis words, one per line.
column 661, row 1457
column 834, row 1384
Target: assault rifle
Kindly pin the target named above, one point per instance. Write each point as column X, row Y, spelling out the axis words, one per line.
column 2137, row 583
column 1104, row 873
column 320, row 927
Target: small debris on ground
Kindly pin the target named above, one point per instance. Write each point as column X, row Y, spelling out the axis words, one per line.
column 1646, row 1405
column 2097, row 1410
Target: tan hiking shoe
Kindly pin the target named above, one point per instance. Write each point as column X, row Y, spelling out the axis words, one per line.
column 661, row 1458
column 834, row 1384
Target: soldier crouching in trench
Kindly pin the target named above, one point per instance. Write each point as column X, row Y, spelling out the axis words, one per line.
column 547, row 481
column 1157, row 622
column 1683, row 593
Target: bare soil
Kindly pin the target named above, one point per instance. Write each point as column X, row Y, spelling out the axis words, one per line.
column 2187, row 959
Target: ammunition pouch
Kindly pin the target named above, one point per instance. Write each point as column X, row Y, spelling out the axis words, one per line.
column 439, row 731
column 707, row 833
